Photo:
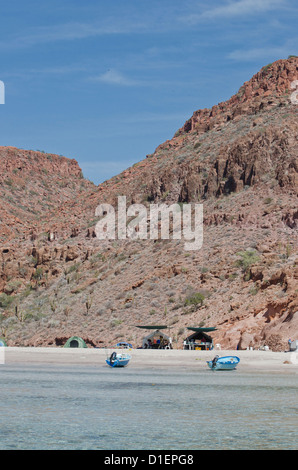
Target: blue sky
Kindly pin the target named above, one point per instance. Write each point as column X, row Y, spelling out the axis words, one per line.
column 107, row 82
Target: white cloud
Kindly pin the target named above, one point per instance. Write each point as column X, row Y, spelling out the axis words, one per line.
column 132, row 21
column 112, row 77
column 259, row 53
column 70, row 31
column 243, row 7
column 235, row 9
column 269, row 53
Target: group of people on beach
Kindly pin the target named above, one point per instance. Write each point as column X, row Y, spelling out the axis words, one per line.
column 160, row 343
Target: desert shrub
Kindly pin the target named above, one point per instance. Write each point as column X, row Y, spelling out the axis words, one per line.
column 33, row 260
column 288, row 250
column 115, row 322
column 73, row 268
column 174, row 320
column 265, row 69
column 20, row 314
column 247, row 259
column 5, row 300
column 12, row 286
column 194, row 299
column 171, row 293
column 268, row 200
column 204, row 270
column 38, row 274
column 253, row 290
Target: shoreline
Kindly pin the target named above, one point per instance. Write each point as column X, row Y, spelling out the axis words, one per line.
column 262, row 361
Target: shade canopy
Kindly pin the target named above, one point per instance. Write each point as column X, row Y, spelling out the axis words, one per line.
column 202, row 330
column 200, row 334
column 155, row 337
column 152, row 327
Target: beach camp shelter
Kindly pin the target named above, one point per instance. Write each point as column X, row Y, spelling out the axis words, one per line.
column 293, row 345
column 75, row 342
column 2, row 343
column 156, row 339
column 199, row 339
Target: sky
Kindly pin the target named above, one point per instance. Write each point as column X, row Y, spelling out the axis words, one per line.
column 107, row 82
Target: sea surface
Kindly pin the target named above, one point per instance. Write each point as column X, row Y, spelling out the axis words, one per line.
column 96, row 407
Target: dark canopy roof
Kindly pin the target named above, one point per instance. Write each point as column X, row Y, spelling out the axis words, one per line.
column 152, row 327
column 200, row 333
column 210, row 328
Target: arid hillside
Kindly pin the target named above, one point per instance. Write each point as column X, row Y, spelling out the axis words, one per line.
column 34, row 183
column 238, row 159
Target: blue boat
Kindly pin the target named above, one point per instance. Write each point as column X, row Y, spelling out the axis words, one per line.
column 123, row 345
column 224, row 363
column 118, row 359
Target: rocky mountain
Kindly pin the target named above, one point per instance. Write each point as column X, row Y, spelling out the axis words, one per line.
column 34, row 183
column 238, row 159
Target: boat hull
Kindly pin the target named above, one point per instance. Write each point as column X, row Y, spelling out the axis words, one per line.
column 224, row 363
column 119, row 361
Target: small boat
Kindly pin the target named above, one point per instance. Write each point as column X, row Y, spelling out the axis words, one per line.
column 224, row 363
column 118, row 359
column 123, row 345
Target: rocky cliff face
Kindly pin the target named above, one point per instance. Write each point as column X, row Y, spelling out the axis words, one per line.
column 239, row 159
column 34, row 183
column 268, row 88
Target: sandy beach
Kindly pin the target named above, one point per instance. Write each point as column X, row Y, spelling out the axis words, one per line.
column 140, row 358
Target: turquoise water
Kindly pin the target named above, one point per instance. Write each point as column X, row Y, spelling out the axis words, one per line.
column 76, row 408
